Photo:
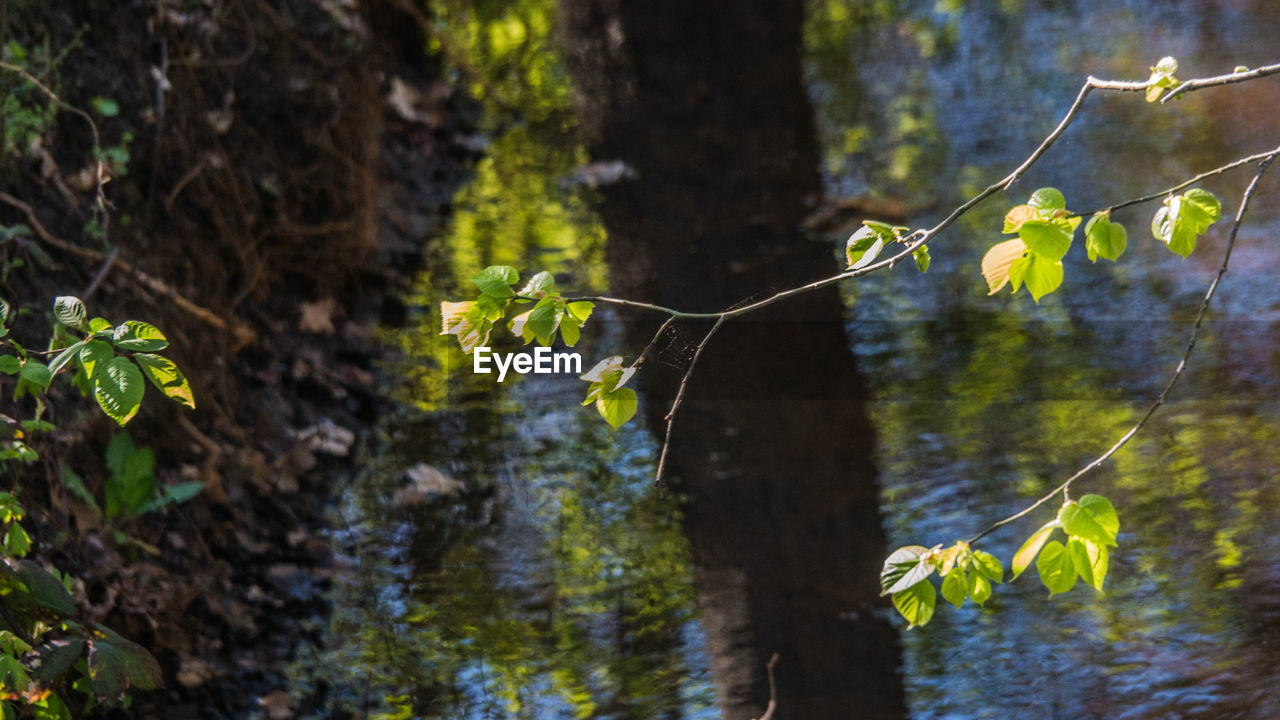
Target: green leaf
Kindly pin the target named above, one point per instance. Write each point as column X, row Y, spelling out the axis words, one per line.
column 544, row 319
column 1183, row 218
column 1104, row 238
column 139, row 336
column 1091, row 518
column 575, row 316
column 106, row 107
column 1098, row 558
column 56, row 658
column 1045, row 238
column 1022, row 559
column 65, row 356
column 921, row 256
column 13, row 677
column 95, row 352
column 954, row 587
column 1161, row 78
column 4, row 311
column 165, row 375
column 1047, row 198
column 1080, row 559
column 16, row 540
column 916, row 603
column 75, row 486
column 10, row 364
column 617, row 406
column 898, row 564
column 69, row 311
column 988, row 566
column 98, row 324
column 917, row 572
column 1057, row 572
column 117, row 664
column 36, row 373
column 539, row 286
column 496, row 281
column 24, row 583
column 864, row 245
column 118, row 387
column 979, row 588
column 1040, row 275
column 118, row 452
column 1201, row 208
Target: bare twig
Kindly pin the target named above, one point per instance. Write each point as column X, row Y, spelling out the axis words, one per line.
column 1173, row 379
column 773, row 690
column 101, row 274
column 242, row 334
column 675, row 405
column 1235, row 77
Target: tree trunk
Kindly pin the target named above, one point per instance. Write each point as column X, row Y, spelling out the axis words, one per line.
column 705, row 101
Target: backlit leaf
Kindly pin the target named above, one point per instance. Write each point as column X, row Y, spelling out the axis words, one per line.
column 916, row 603
column 1022, row 559
column 1104, row 238
column 998, row 261
column 954, row 587
column 1056, row 569
column 165, row 375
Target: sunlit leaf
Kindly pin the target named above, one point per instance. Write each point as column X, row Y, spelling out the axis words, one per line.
column 988, row 565
column 1018, row 215
column 617, row 406
column 496, row 280
column 1045, row 238
column 165, row 375
column 1091, row 518
column 1056, row 569
column 916, row 603
column 69, row 311
column 118, row 386
column 1047, row 198
column 921, row 256
column 1041, row 276
column 1022, row 559
column 979, row 588
column 998, row 261
column 1104, row 238
column 954, row 587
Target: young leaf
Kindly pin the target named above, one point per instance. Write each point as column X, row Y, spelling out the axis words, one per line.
column 1022, row 559
column 544, row 319
column 496, row 281
column 1104, row 238
column 1042, row 276
column 1047, row 198
column 10, row 364
column 954, row 587
column 864, row 245
column 539, row 286
column 617, row 406
column 1057, row 572
column 988, row 566
column 69, row 311
column 916, row 603
column 36, row 373
column 93, row 353
column 1091, row 518
column 979, row 588
column 1045, row 238
column 921, row 256
column 1098, row 563
column 65, row 356
column 917, row 571
column 898, row 564
column 1018, row 215
column 16, row 540
column 118, row 387
column 139, row 336
column 998, row 261
column 165, row 375
column 1161, row 78
column 1080, row 559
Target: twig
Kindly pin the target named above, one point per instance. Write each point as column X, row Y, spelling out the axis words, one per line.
column 1187, row 183
column 242, row 333
column 661, row 329
column 773, row 690
column 675, row 405
column 1173, row 379
column 101, row 274
column 1228, row 79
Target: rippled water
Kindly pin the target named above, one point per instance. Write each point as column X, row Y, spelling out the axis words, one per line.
column 535, row 572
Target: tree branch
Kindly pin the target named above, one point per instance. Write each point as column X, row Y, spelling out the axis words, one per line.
column 1173, row 379
column 675, row 405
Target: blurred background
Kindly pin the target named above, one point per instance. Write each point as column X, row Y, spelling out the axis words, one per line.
column 386, row 535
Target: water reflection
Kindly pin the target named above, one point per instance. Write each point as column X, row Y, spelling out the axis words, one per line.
column 984, row 403
column 553, row 581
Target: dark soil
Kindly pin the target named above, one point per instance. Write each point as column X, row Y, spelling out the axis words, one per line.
column 274, row 189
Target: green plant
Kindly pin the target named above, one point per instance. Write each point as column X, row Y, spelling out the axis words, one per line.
column 1045, row 231
column 131, row 489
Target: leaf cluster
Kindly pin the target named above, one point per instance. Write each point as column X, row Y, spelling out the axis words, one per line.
column 1045, row 230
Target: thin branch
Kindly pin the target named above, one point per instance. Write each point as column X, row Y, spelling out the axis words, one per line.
column 773, row 690
column 661, row 329
column 1173, row 379
column 1231, row 78
column 1187, row 183
column 675, row 405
